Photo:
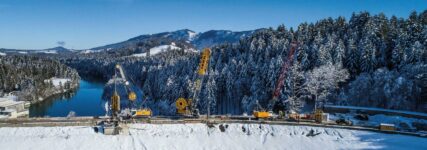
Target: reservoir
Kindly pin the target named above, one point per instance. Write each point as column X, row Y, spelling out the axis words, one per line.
column 85, row 101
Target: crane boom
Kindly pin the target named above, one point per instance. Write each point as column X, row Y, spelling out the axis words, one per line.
column 189, row 106
column 203, row 66
column 122, row 74
column 283, row 73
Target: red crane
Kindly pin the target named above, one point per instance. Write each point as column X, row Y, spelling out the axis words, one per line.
column 283, row 72
column 262, row 113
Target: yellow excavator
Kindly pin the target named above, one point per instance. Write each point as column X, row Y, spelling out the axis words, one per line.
column 188, row 107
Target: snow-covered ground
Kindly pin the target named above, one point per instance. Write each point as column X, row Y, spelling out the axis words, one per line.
column 158, row 49
column 2, row 54
column 161, row 48
column 199, row 136
column 48, row 51
column 191, row 35
column 58, row 81
column 88, row 51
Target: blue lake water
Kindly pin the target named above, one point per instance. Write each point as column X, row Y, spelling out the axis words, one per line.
column 85, row 101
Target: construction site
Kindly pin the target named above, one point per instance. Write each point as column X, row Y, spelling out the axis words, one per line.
column 129, row 124
column 213, row 75
column 122, row 110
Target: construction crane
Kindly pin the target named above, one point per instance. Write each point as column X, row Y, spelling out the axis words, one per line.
column 288, row 61
column 189, row 106
column 131, row 95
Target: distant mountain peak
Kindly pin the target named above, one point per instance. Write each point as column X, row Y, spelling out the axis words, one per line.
column 198, row 40
column 58, row 48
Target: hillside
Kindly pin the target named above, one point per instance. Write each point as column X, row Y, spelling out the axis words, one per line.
column 367, row 60
column 35, row 79
column 197, row 40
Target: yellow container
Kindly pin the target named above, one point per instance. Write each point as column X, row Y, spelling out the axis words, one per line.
column 143, row 112
column 387, row 127
column 261, row 114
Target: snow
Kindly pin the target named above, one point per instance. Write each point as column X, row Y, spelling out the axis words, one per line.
column 191, row 35
column 199, row 136
column 386, row 124
column 158, row 49
column 58, row 81
column 89, row 51
column 2, row 54
column 48, row 52
column 23, row 52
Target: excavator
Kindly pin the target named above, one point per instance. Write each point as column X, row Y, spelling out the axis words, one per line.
column 131, row 95
column 188, row 107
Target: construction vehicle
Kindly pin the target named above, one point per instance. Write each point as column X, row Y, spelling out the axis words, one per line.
column 142, row 112
column 262, row 113
column 188, row 107
column 119, row 76
column 318, row 116
column 343, row 121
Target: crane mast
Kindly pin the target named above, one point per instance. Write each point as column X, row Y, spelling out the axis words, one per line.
column 189, row 106
column 283, row 73
column 261, row 113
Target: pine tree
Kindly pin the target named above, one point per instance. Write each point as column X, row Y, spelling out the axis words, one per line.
column 368, row 62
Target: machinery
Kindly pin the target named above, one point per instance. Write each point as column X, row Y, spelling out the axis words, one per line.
column 144, row 112
column 182, row 106
column 188, row 107
column 318, row 116
column 131, row 96
column 262, row 113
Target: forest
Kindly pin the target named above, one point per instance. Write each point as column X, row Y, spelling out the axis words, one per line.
column 367, row 60
column 27, row 77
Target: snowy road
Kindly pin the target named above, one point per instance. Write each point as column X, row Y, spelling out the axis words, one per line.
column 199, row 136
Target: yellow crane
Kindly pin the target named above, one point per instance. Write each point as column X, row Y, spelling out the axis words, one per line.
column 189, row 106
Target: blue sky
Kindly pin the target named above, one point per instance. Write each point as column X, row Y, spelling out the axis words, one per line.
column 82, row 24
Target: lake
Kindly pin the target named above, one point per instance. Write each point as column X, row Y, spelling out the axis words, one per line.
column 85, row 101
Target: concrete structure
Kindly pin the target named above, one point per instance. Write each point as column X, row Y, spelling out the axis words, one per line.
column 10, row 108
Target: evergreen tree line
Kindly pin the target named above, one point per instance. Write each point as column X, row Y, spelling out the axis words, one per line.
column 26, row 76
column 369, row 60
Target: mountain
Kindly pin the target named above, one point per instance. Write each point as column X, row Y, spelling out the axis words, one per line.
column 185, row 38
column 216, row 37
column 58, row 48
column 197, row 40
column 54, row 50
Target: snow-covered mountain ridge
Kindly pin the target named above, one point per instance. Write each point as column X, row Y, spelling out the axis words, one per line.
column 198, row 40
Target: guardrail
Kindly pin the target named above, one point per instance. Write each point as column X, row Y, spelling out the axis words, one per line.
column 373, row 111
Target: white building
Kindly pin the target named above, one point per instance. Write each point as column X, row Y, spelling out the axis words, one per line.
column 10, row 108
